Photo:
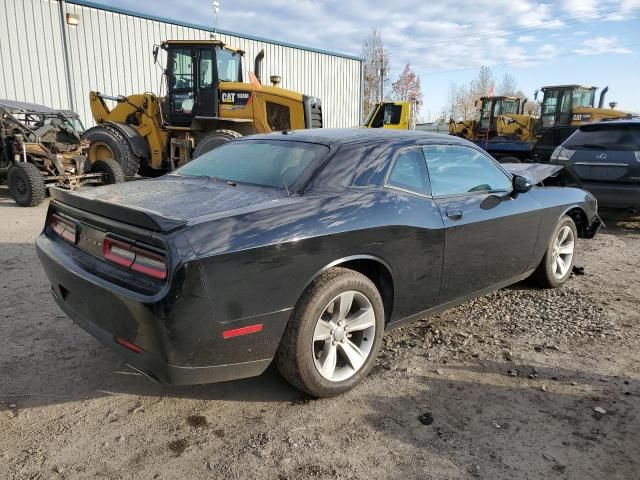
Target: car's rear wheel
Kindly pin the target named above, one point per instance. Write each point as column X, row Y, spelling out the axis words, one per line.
column 557, row 264
column 334, row 334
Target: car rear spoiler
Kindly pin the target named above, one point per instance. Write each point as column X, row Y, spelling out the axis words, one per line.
column 138, row 217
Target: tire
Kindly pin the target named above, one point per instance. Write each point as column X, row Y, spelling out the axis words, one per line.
column 107, row 143
column 111, row 169
column 26, row 185
column 213, row 140
column 548, row 275
column 300, row 359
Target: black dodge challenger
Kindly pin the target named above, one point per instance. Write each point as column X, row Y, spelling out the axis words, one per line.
column 303, row 247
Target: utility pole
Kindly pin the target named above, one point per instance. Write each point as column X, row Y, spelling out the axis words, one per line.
column 381, row 75
column 216, row 9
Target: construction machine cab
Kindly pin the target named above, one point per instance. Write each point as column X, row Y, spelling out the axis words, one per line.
column 559, row 103
column 391, row 115
column 491, row 108
column 193, row 72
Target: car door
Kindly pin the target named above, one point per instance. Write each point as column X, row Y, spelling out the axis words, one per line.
column 417, row 246
column 489, row 233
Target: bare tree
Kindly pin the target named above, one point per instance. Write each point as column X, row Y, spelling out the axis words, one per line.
column 407, row 87
column 376, row 61
column 508, row 86
column 483, row 85
column 463, row 98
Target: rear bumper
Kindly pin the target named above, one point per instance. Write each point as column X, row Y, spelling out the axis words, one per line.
column 157, row 370
column 180, row 341
column 612, row 195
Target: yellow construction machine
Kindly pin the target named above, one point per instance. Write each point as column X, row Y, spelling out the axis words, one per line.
column 207, row 103
column 392, row 115
column 490, row 111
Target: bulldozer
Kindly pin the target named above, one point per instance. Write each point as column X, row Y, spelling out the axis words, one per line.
column 207, row 103
column 490, row 110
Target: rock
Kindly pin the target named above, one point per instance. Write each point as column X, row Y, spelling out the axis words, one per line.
column 496, row 425
column 543, row 387
column 120, row 438
column 513, row 373
column 57, row 469
column 13, row 405
column 426, row 418
column 600, row 410
column 439, row 371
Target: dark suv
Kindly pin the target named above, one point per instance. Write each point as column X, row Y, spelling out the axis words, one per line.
column 604, row 158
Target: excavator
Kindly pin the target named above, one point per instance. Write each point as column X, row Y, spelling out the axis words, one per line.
column 207, row 103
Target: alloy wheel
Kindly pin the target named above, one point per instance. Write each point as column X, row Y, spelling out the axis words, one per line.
column 344, row 336
column 563, row 249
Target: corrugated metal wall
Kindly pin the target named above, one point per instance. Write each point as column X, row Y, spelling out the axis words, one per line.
column 111, row 52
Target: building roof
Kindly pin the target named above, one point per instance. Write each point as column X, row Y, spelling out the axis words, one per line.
column 122, row 11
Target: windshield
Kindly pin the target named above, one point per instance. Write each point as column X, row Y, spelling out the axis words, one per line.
column 606, row 137
column 583, row 98
column 276, row 164
column 228, row 65
column 508, row 106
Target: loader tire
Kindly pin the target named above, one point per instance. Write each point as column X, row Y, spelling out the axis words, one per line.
column 213, row 140
column 108, row 143
column 26, row 185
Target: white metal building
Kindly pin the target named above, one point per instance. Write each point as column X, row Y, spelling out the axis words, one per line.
column 45, row 58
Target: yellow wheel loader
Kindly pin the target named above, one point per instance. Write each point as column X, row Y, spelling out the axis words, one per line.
column 207, row 103
column 490, row 110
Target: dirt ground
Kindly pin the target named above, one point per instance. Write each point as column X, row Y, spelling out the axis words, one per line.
column 502, row 387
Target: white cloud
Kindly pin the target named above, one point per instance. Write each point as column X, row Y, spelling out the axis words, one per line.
column 600, row 45
column 526, row 39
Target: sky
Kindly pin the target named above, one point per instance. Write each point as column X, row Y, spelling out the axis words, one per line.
column 590, row 42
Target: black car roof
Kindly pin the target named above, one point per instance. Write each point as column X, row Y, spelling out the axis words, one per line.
column 611, row 123
column 329, row 136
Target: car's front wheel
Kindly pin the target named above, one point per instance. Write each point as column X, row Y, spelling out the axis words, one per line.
column 557, row 264
column 334, row 334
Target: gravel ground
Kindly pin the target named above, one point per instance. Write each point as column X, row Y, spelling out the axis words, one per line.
column 522, row 383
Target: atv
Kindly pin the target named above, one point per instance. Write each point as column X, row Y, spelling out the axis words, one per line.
column 41, row 148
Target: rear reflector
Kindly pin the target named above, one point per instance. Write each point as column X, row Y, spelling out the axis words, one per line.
column 126, row 344
column 236, row 332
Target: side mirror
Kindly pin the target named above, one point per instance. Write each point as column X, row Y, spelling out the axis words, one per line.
column 535, row 96
column 156, row 48
column 521, row 184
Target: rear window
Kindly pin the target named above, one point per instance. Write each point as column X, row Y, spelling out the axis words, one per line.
column 606, row 137
column 276, row 164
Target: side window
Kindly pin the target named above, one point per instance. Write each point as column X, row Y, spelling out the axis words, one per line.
column 278, row 116
column 392, row 114
column 206, row 68
column 455, row 170
column 409, row 172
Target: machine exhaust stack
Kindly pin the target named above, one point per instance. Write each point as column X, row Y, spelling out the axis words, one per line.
column 257, row 65
column 602, row 95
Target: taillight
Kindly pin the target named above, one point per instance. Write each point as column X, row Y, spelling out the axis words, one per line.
column 134, row 257
column 65, row 229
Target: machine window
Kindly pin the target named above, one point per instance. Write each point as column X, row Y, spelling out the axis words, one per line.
column 228, row 65
column 455, row 170
column 182, row 68
column 206, row 69
column 392, row 114
column 409, row 172
column 278, row 116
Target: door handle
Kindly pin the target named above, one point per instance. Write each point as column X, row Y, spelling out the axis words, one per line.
column 454, row 214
